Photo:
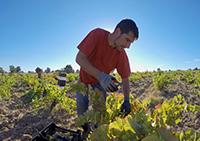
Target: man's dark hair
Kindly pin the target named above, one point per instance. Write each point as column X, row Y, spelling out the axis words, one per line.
column 127, row 25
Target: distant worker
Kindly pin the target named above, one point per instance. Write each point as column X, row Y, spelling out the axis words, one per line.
column 40, row 74
column 100, row 52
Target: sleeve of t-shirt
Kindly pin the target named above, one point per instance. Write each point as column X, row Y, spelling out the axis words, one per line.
column 89, row 43
column 123, row 66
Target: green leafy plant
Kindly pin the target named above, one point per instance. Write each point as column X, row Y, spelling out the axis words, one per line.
column 6, row 83
column 138, row 125
column 43, row 92
column 162, row 79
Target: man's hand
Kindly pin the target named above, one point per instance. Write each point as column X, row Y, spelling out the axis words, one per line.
column 107, row 82
column 126, row 107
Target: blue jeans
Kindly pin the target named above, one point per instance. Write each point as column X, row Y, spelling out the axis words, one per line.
column 82, row 102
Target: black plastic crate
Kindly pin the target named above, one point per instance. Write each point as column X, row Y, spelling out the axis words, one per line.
column 38, row 138
column 51, row 129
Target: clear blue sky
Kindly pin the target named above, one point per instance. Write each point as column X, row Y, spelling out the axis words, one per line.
column 45, row 33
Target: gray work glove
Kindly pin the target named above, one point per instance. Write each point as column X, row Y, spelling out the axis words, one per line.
column 126, row 107
column 107, row 82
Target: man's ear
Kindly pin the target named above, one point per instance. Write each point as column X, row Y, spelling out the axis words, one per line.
column 117, row 31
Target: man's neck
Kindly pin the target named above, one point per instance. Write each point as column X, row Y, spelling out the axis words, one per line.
column 111, row 40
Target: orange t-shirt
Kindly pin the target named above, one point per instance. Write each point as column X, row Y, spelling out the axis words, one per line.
column 100, row 54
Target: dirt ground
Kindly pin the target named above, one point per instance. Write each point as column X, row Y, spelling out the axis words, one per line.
column 21, row 124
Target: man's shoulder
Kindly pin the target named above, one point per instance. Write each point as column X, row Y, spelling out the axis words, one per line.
column 100, row 31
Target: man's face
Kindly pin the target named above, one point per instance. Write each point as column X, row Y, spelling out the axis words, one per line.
column 124, row 40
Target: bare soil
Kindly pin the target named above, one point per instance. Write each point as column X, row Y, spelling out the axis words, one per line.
column 21, row 123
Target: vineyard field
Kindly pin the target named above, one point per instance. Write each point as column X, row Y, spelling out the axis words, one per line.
column 25, row 108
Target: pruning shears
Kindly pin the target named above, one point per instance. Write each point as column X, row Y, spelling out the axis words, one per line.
column 118, row 83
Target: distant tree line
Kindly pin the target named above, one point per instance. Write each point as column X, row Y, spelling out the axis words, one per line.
column 12, row 69
column 66, row 69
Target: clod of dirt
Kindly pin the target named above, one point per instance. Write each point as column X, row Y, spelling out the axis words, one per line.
column 26, row 137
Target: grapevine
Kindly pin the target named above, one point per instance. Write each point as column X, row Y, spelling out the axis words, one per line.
column 138, row 125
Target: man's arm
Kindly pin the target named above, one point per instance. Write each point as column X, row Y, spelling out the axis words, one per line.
column 126, row 87
column 104, row 79
column 126, row 107
column 85, row 64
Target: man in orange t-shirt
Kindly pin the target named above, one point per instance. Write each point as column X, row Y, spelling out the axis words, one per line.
column 100, row 52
